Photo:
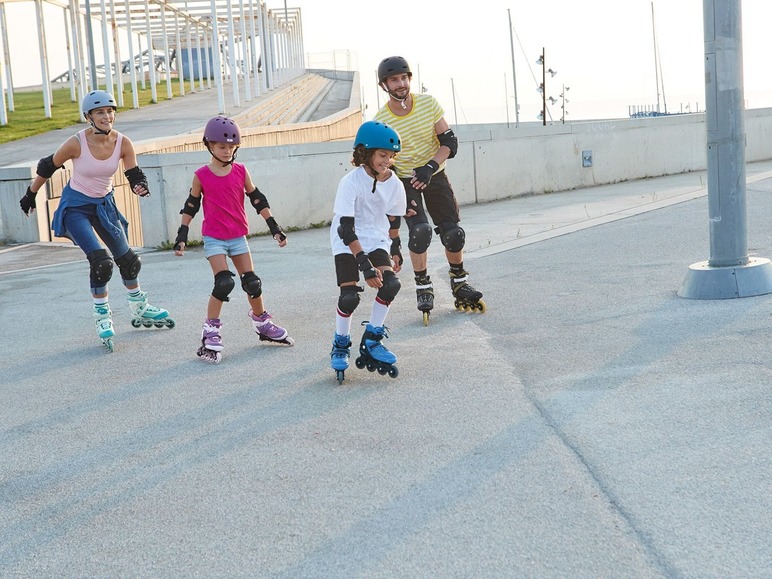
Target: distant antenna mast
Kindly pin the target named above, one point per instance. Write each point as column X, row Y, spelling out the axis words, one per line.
column 658, row 64
column 656, row 55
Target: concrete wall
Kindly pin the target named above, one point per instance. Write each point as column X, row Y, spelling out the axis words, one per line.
column 493, row 162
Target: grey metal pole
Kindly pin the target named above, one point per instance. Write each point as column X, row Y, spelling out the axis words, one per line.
column 729, row 272
column 514, row 76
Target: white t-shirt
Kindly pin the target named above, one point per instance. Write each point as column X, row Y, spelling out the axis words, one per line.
column 355, row 198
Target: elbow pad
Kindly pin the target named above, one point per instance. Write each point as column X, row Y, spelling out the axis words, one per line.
column 259, row 201
column 346, row 230
column 46, row 167
column 449, row 140
column 192, row 205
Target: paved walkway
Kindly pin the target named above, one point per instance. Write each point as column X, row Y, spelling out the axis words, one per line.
column 590, row 424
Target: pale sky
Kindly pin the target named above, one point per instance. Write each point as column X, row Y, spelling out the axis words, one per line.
column 603, row 50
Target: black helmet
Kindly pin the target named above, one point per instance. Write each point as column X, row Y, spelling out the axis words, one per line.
column 392, row 65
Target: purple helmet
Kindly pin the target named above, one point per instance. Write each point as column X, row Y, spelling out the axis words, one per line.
column 222, row 129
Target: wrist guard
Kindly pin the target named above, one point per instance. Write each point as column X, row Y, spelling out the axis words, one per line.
column 182, row 237
column 137, row 177
column 28, row 201
column 275, row 229
column 365, row 265
column 424, row 174
column 396, row 251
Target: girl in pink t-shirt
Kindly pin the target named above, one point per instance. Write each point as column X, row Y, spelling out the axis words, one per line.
column 220, row 188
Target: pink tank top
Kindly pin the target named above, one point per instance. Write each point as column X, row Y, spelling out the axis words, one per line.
column 90, row 176
column 223, row 203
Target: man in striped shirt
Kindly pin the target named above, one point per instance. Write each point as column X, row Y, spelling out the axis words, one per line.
column 427, row 143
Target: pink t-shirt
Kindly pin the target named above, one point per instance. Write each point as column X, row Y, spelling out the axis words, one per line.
column 223, row 203
column 93, row 177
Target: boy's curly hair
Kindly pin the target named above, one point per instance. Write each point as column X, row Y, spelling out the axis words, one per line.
column 361, row 155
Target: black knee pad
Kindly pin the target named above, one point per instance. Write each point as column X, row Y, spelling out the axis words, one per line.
column 420, row 238
column 251, row 284
column 129, row 265
column 452, row 236
column 349, row 299
column 390, row 288
column 101, row 267
column 223, row 285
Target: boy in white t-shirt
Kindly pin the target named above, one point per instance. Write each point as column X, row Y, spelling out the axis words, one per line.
column 364, row 235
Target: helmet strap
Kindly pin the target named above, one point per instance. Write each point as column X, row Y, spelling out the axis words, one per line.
column 224, row 163
column 96, row 130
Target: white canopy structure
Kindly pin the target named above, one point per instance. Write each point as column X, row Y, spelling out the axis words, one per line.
column 240, row 43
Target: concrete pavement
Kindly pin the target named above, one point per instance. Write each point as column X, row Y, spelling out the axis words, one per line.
column 590, row 424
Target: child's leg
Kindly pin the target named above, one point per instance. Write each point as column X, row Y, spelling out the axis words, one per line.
column 223, row 280
column 261, row 319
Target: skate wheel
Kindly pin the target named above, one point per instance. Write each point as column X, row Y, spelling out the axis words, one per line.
column 147, row 323
column 383, row 370
column 108, row 344
column 370, row 367
column 339, row 375
column 426, row 318
column 360, row 362
column 481, row 307
column 170, row 323
column 136, row 323
column 393, row 372
column 159, row 324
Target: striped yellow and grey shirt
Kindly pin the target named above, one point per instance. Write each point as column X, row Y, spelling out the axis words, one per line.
column 416, row 131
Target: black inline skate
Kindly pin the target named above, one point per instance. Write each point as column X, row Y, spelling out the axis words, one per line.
column 467, row 298
column 424, row 295
column 375, row 356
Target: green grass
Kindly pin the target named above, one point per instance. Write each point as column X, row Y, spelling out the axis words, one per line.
column 29, row 117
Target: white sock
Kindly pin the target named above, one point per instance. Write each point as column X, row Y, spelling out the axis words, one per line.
column 379, row 311
column 342, row 324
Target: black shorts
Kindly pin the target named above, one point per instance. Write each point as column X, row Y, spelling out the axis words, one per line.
column 441, row 204
column 346, row 268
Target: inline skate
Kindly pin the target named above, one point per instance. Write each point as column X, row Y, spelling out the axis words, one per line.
column 143, row 314
column 211, row 342
column 267, row 331
column 104, row 325
column 339, row 356
column 425, row 296
column 375, row 356
column 467, row 298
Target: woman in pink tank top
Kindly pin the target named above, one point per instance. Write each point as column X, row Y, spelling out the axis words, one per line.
column 87, row 213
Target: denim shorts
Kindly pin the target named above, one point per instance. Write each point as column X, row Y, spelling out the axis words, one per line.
column 229, row 247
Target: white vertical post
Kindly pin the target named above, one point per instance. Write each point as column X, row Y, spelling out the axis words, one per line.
column 132, row 64
column 178, row 53
column 117, row 55
column 150, row 55
column 203, row 59
column 43, row 58
column 234, row 70
column 191, row 76
column 253, row 47
column 70, row 68
column 217, row 62
column 246, row 67
column 106, row 51
column 167, row 60
column 7, row 57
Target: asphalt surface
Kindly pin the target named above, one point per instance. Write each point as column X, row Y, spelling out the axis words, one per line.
column 590, row 424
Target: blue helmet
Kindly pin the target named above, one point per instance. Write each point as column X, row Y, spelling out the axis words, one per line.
column 96, row 99
column 378, row 135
